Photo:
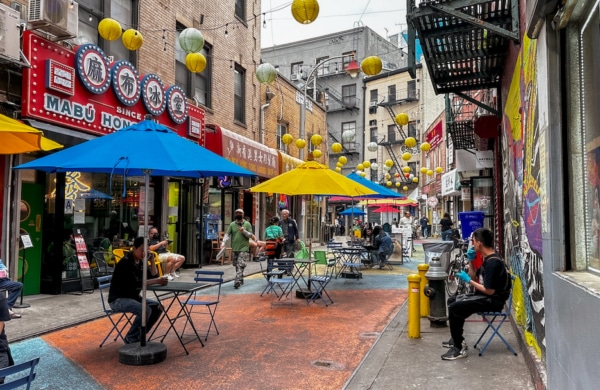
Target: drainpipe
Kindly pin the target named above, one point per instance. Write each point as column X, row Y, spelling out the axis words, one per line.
column 262, row 122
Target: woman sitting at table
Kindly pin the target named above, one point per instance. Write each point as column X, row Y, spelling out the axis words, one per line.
column 274, row 239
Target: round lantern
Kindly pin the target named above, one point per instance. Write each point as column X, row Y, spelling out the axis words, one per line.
column 406, row 169
column 132, row 39
column 366, row 164
column 405, row 188
column 300, row 143
column 109, row 29
column 388, row 183
column 317, row 153
column 362, row 174
column 195, row 62
column 406, row 156
column 371, row 66
column 343, row 160
column 407, row 175
column 388, row 176
column 415, row 179
column 425, row 146
column 389, row 163
column 429, row 172
column 424, row 170
column 191, row 40
column 338, row 169
column 348, row 135
column 439, row 170
column 411, row 176
column 396, row 175
column 374, row 167
column 360, row 167
column 316, row 139
column 410, row 142
column 266, row 73
column 372, row 146
column 402, row 119
column 386, row 168
column 305, row 11
column 336, row 147
column 339, row 164
column 287, row 138
column 397, row 184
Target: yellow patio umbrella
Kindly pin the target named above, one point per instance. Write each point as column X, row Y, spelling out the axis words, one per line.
column 17, row 137
column 312, row 178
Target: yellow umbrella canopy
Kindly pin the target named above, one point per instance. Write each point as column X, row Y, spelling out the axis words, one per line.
column 312, row 178
column 17, row 137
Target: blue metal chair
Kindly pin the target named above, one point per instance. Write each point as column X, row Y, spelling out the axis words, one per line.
column 104, row 286
column 318, row 284
column 490, row 317
column 209, row 302
column 18, row 381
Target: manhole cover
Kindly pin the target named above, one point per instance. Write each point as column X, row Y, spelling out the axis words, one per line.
column 266, row 320
column 327, row 365
column 369, row 334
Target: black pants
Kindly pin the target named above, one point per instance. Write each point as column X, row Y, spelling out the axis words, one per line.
column 461, row 307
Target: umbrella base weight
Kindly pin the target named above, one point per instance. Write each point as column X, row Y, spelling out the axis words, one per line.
column 351, row 275
column 303, row 293
column 136, row 355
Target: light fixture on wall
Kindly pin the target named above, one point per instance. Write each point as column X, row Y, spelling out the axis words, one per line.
column 226, row 32
column 90, row 17
column 71, row 4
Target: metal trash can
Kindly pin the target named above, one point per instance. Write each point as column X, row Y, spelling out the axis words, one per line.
column 438, row 248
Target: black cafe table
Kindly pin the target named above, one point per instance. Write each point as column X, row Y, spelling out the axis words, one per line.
column 300, row 265
column 175, row 290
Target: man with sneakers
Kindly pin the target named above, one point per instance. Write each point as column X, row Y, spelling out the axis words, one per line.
column 491, row 283
column 173, row 261
column 240, row 232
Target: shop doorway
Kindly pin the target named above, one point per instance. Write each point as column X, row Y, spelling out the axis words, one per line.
column 183, row 218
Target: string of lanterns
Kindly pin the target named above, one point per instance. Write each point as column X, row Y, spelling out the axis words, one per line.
column 315, row 140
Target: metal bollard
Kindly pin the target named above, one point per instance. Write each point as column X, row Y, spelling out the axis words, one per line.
column 424, row 300
column 414, row 319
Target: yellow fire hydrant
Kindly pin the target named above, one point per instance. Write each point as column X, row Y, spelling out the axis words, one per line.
column 414, row 318
column 423, row 268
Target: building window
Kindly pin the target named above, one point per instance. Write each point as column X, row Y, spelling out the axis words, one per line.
column 373, row 99
column 281, row 130
column 411, row 86
column 391, row 93
column 349, row 95
column 309, row 145
column 412, row 129
column 350, row 145
column 239, row 94
column 240, row 9
column 391, row 133
column 323, row 69
column 373, row 134
column 348, row 56
column 296, row 71
column 195, row 85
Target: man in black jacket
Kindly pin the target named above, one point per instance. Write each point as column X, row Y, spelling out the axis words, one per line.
column 290, row 232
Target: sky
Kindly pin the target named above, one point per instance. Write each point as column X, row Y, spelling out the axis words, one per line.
column 279, row 26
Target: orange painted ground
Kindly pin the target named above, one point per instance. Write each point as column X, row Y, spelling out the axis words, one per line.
column 258, row 347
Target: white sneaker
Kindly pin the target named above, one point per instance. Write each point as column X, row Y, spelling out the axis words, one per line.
column 173, row 274
column 170, row 277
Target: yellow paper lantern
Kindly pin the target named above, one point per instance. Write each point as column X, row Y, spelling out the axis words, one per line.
column 305, row 11
column 389, row 163
column 300, row 143
column 406, row 169
column 439, row 170
column 398, row 184
column 362, row 174
column 415, row 179
column 336, row 147
column 360, row 167
column 287, row 139
column 339, row 164
column 388, row 176
column 317, row 153
column 343, row 160
column 371, row 66
column 388, row 183
column 425, row 147
column 316, row 139
column 406, row 156
column 429, row 172
column 132, row 39
column 402, row 119
column 109, row 29
column 366, row 164
column 195, row 62
column 338, row 169
column 405, row 188
column 410, row 142
column 424, row 169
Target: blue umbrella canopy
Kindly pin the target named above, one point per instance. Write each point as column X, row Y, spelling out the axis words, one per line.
column 352, row 211
column 381, row 191
column 146, row 147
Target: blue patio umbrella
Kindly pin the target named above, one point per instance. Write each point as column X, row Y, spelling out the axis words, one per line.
column 144, row 149
column 382, row 192
column 352, row 211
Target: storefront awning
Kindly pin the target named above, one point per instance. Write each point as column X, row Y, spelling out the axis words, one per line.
column 472, row 160
column 242, row 151
column 287, row 162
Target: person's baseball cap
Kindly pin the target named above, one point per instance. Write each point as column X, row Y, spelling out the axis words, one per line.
column 239, row 211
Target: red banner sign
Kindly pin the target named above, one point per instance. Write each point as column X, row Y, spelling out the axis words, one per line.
column 435, row 136
column 81, row 89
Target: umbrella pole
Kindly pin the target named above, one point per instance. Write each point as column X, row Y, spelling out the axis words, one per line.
column 145, row 265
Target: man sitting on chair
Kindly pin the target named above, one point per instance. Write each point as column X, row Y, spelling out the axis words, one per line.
column 173, row 260
column 383, row 244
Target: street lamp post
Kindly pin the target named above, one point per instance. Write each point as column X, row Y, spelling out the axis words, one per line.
column 353, row 69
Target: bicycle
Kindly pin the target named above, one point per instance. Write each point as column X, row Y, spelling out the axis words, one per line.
column 454, row 285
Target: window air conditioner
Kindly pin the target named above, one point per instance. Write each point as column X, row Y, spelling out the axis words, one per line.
column 57, row 17
column 9, row 33
column 294, row 77
column 373, row 103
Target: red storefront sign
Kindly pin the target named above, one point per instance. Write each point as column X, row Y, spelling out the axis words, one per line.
column 435, row 136
column 81, row 89
column 242, row 151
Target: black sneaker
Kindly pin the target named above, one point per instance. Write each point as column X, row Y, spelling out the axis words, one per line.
column 455, row 353
column 236, row 285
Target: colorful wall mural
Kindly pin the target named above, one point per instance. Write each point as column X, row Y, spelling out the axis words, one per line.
column 522, row 175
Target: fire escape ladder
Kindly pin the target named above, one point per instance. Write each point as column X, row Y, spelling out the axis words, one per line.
column 393, row 115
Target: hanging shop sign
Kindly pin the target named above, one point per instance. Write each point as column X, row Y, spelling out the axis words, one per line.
column 84, row 90
column 435, row 136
